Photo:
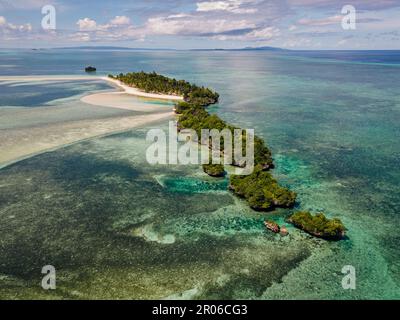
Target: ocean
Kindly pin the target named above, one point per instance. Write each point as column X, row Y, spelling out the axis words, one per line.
column 114, row 226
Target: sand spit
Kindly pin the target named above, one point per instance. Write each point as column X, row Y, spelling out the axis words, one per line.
column 22, row 142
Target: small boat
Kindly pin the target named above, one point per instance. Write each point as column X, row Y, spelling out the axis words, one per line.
column 284, row 232
column 272, row 226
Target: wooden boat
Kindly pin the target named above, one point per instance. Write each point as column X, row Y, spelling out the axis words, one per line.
column 272, row 226
column 284, row 232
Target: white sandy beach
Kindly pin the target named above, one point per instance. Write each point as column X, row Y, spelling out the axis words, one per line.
column 116, row 99
column 137, row 92
column 21, row 143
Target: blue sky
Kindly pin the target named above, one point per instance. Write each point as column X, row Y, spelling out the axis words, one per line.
column 186, row 24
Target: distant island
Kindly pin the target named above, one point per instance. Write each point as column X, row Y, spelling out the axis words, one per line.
column 90, row 69
column 261, row 191
column 111, row 48
column 116, row 48
column 264, row 48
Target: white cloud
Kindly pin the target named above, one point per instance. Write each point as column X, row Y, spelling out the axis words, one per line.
column 120, row 27
column 117, row 29
column 213, row 6
column 80, row 37
column 322, row 22
column 120, row 21
column 87, row 24
column 337, row 5
column 194, row 25
column 24, row 4
column 179, row 15
column 12, row 30
column 234, row 6
column 263, row 34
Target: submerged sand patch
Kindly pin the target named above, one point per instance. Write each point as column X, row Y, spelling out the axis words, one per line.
column 118, row 100
column 18, row 144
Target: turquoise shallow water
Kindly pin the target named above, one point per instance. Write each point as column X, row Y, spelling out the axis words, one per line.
column 116, row 227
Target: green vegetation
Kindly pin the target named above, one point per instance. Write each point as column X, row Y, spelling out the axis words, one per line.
column 196, row 117
column 261, row 190
column 155, row 83
column 180, row 107
column 214, row 170
column 318, row 225
column 262, row 155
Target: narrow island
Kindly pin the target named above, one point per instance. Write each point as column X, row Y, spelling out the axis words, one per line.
column 319, row 226
column 90, row 69
column 260, row 189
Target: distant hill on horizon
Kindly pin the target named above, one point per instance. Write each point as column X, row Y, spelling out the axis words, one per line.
column 165, row 49
column 265, row 48
column 111, row 48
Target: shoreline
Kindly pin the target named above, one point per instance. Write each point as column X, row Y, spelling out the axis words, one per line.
column 23, row 143
column 126, row 89
column 136, row 92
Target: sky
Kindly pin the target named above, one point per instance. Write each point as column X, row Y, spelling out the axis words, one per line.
column 202, row 24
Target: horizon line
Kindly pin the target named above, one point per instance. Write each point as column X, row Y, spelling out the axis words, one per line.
column 262, row 48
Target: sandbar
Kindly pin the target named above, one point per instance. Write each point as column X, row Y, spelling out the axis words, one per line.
column 23, row 142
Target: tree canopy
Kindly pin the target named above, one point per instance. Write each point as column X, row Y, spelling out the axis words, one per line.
column 156, row 83
column 318, row 225
column 261, row 190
